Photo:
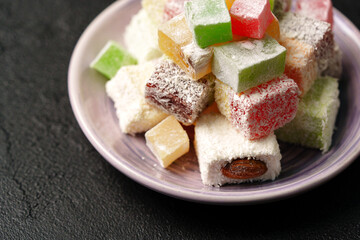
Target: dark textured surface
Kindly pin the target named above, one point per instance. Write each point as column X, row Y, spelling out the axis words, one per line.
column 54, row 185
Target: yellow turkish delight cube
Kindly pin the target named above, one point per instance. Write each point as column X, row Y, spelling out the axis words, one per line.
column 168, row 141
column 176, row 41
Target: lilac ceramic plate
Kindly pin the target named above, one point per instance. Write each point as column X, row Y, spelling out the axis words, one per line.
column 302, row 168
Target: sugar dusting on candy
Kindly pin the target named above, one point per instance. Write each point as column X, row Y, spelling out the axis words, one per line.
column 172, row 90
column 314, row 32
column 173, row 8
column 317, row 9
column 250, row 18
column 259, row 111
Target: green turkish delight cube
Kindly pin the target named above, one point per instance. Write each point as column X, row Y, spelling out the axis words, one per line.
column 248, row 63
column 209, row 20
column 314, row 123
column 111, row 58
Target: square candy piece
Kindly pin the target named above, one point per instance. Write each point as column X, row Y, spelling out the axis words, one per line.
column 259, row 111
column 174, row 92
column 251, row 18
column 173, row 8
column 226, row 157
column 140, row 28
column 176, row 41
column 314, row 123
column 248, row 63
column 318, row 9
column 111, row 58
column 316, row 33
column 300, row 64
column 168, row 141
column 126, row 90
column 209, row 20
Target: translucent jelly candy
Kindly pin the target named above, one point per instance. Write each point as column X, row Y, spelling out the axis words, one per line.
column 259, row 111
column 167, row 141
column 273, row 29
column 311, row 31
column 111, row 58
column 300, row 64
column 141, row 28
column 314, row 123
column 319, row 9
column 173, row 8
column 173, row 91
column 209, row 20
column 179, row 46
column 248, row 63
column 126, row 90
column 250, row 18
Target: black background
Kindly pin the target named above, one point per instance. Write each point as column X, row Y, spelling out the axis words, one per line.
column 55, row 185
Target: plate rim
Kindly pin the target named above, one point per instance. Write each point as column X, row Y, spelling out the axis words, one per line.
column 276, row 193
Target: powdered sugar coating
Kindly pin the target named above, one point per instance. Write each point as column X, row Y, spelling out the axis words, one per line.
column 301, row 64
column 140, row 28
column 173, row 8
column 314, row 32
column 218, row 143
column 209, row 21
column 317, row 9
column 250, row 18
column 172, row 90
column 198, row 59
column 259, row 111
column 248, row 63
column 126, row 89
column 314, row 123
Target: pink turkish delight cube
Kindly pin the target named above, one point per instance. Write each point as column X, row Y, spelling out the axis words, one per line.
column 173, row 8
column 318, row 9
column 250, row 18
column 259, row 111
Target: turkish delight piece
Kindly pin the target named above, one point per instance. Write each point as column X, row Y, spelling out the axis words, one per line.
column 335, row 67
column 280, row 7
column 173, row 8
column 300, row 64
column 167, row 141
column 226, row 157
column 248, row 63
column 311, row 31
column 273, row 29
column 140, row 28
column 170, row 89
column 176, row 41
column 314, row 122
column 259, row 111
column 318, row 9
column 209, row 20
column 126, row 90
column 250, row 18
column 155, row 10
column 111, row 58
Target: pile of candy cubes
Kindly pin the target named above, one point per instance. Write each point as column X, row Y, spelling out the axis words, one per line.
column 245, row 73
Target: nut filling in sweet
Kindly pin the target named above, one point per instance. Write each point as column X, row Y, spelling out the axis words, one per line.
column 244, row 169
